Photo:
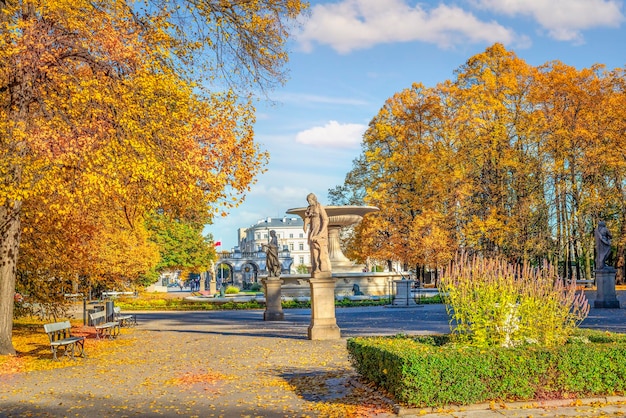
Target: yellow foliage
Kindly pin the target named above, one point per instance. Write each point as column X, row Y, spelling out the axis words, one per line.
column 106, row 116
column 33, row 347
column 505, row 159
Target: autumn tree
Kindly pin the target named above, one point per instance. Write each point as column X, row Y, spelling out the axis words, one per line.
column 504, row 210
column 506, row 159
column 400, row 172
column 76, row 251
column 612, row 162
column 128, row 105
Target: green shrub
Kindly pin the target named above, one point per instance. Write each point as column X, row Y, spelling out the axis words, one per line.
column 302, row 269
column 434, row 371
column 493, row 303
column 231, row 290
column 429, row 300
column 256, row 287
column 295, row 304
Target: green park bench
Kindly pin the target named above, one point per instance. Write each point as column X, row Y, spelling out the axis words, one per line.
column 60, row 335
column 104, row 328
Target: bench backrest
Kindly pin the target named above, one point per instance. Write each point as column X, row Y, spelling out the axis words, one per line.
column 97, row 317
column 58, row 330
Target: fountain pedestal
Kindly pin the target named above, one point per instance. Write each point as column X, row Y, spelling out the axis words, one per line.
column 403, row 295
column 323, row 322
column 606, row 298
column 212, row 285
column 273, row 306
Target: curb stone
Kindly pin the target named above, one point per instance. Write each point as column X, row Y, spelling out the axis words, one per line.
column 498, row 406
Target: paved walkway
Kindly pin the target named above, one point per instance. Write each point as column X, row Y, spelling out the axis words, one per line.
column 234, row 364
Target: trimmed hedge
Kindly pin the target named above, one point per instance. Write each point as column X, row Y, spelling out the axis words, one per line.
column 431, row 371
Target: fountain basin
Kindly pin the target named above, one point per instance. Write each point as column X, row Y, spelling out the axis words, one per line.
column 340, row 217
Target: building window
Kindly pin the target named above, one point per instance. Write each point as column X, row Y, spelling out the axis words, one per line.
column 258, row 236
column 301, row 235
column 290, row 235
column 301, row 247
column 291, row 246
column 301, row 260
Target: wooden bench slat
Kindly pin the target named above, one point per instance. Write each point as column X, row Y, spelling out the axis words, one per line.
column 59, row 334
column 125, row 319
column 104, row 329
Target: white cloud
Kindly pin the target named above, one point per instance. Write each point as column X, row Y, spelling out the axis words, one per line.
column 317, row 99
column 563, row 19
column 333, row 135
column 279, row 196
column 357, row 24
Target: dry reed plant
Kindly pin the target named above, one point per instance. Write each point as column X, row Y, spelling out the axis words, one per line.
column 494, row 303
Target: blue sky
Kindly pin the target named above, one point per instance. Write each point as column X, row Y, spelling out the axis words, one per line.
column 349, row 56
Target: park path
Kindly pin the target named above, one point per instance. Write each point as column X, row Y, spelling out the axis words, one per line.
column 167, row 367
column 234, row 364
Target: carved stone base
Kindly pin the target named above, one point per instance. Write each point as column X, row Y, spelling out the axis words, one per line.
column 273, row 306
column 606, row 298
column 323, row 322
column 212, row 286
column 403, row 295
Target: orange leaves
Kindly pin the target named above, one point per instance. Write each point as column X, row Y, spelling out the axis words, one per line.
column 206, row 381
column 506, row 158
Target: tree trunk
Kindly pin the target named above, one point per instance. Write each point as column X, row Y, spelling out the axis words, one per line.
column 10, row 233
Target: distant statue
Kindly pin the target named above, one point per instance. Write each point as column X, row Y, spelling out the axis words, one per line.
column 316, row 220
column 603, row 245
column 271, row 256
column 356, row 290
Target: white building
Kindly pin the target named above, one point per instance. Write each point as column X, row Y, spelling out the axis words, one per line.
column 290, row 234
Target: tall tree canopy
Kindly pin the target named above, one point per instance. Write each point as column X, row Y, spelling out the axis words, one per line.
column 505, row 159
column 112, row 109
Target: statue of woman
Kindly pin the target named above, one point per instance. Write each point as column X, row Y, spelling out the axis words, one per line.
column 271, row 256
column 316, row 220
column 603, row 245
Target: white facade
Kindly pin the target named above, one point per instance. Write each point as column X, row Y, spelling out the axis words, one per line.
column 290, row 234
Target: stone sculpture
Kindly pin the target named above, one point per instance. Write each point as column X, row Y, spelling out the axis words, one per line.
column 271, row 256
column 603, row 245
column 316, row 221
column 606, row 297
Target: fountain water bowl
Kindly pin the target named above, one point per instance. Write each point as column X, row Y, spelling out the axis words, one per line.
column 340, row 217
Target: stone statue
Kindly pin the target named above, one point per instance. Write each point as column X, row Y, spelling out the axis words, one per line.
column 603, row 245
column 271, row 256
column 316, row 220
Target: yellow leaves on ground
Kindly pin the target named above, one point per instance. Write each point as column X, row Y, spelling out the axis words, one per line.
column 340, row 395
column 200, row 372
column 33, row 348
column 205, row 380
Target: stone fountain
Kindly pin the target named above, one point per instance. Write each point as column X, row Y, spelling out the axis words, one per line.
column 322, row 281
column 340, row 217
